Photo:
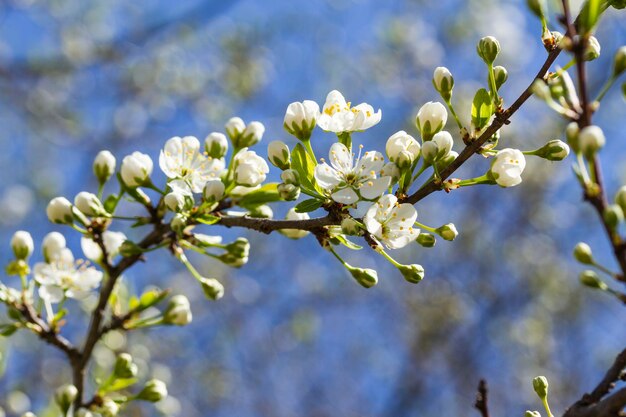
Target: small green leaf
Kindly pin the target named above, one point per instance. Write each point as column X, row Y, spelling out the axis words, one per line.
column 589, row 15
column 341, row 239
column 309, row 205
column 141, row 221
column 111, row 203
column 59, row 315
column 304, row 165
column 482, row 109
column 152, row 297
column 7, row 330
column 120, row 384
column 266, row 194
column 206, row 218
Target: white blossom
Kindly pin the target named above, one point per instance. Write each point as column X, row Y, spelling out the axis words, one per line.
column 301, row 118
column 338, row 116
column 52, row 246
column 250, row 169
column 136, row 169
column 22, row 244
column 178, row 311
column 187, row 168
column 112, row 243
column 65, row 277
column 402, row 149
column 347, row 180
column 59, row 211
column 507, row 167
column 216, row 145
column 391, row 223
column 234, row 128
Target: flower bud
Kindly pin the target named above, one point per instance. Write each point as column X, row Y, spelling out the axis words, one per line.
column 124, row 366
column 541, row 90
column 591, row 140
column 583, row 254
column 234, row 128
column 351, row 227
column 500, row 75
column 178, row 223
column 290, row 176
column 402, row 149
column 613, row 216
column 240, row 247
column 446, row 160
column 59, row 211
column 571, row 134
column 288, row 192
column 592, row 51
column 136, row 169
column 83, row 412
column 430, row 150
column 365, row 276
column 178, row 311
column 155, row 390
column 52, row 245
column 620, row 197
column 261, row 212
column 213, row 190
column 443, row 82
column 412, row 273
column 431, row 118
column 278, row 154
column 591, row 279
column 212, row 288
column 104, row 166
column 295, row 233
column 233, row 261
column 252, row 134
column 65, row 396
column 89, row 204
column 426, row 240
column 540, row 385
column 109, row 408
column 175, row 201
column 216, row 145
column 447, row 232
column 488, row 49
column 529, row 413
column 301, row 118
column 391, row 170
column 619, row 62
column 444, row 143
column 22, row 245
column 554, row 150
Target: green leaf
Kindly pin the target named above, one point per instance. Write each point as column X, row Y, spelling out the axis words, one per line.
column 120, row 384
column 341, row 239
column 266, row 194
column 111, row 203
column 304, row 165
column 141, row 221
column 152, row 297
column 7, row 330
column 482, row 109
column 206, row 218
column 589, row 15
column 59, row 315
column 308, row 205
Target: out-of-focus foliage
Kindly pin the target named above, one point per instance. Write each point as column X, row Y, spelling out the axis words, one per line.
column 294, row 335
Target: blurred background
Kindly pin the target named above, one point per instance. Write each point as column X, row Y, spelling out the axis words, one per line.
column 294, row 335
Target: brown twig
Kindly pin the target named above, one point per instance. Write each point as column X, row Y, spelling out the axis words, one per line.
column 481, row 403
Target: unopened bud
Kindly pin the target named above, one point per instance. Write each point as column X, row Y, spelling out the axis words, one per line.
column 540, row 385
column 178, row 223
column 175, row 201
column 261, row 212
column 288, row 192
column 301, row 118
column 213, row 190
column 252, row 134
column 155, row 390
column 443, row 82
column 593, row 49
column 178, row 311
column 488, row 49
column 290, row 176
column 59, row 211
column 22, row 245
column 554, row 150
column 541, row 90
column 426, row 240
column 216, row 145
column 365, row 276
column 583, row 253
column 619, row 62
column 447, row 232
column 391, row 170
column 212, row 288
column 89, row 204
column 124, row 366
column 234, row 128
column 104, row 166
column 109, row 408
column 412, row 273
column 571, row 134
column 613, row 216
column 500, row 75
column 431, row 118
column 65, row 396
column 278, row 154
column 529, row 413
column 591, row 139
column 620, row 197
column 591, row 279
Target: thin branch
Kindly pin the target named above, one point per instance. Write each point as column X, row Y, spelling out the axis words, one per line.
column 269, row 225
column 481, row 403
column 500, row 120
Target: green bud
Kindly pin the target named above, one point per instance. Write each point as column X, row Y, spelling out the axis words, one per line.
column 104, row 166
column 571, row 134
column 278, row 154
column 613, row 216
column 620, row 197
column 500, row 75
column 591, row 279
column 233, row 260
column 178, row 311
column 261, row 212
column 212, row 288
column 178, row 223
column 619, row 62
column 532, row 414
column 430, row 151
column 290, row 176
column 240, row 247
column 541, row 90
column 365, row 276
column 124, row 367
column 83, row 412
column 413, row 273
column 443, row 82
column 447, row 232
column 22, row 245
column 129, row 248
column 65, row 396
column 540, row 385
column 488, row 49
column 216, row 145
column 426, row 240
column 288, row 192
column 109, row 408
column 351, row 227
column 593, row 49
column 154, row 391
column 583, row 253
column 554, row 150
column 591, row 139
